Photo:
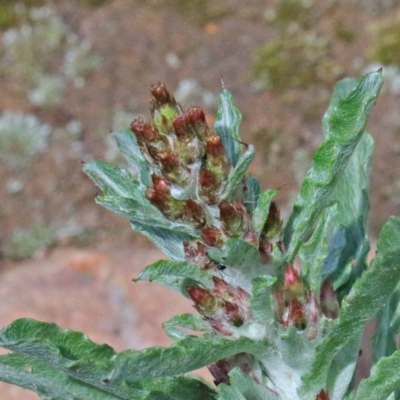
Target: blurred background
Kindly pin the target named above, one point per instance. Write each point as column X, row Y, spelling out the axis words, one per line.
column 72, row 72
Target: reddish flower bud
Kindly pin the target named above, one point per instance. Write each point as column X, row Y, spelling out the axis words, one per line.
column 292, row 280
column 197, row 120
column 322, row 395
column 160, row 196
column 207, row 179
column 143, row 131
column 161, row 94
column 233, row 314
column 295, row 316
column 164, row 108
column 160, row 193
column 328, row 301
column 212, row 236
column 265, row 248
column 209, row 186
column 150, row 141
column 219, row 370
column 215, row 148
column 194, row 212
column 168, row 160
column 182, row 127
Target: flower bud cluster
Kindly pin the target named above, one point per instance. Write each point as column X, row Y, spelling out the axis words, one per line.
column 187, row 155
column 224, row 306
column 299, row 307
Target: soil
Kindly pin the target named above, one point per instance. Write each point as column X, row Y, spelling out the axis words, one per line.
column 141, row 42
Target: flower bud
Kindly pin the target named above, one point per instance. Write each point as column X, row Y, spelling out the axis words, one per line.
column 293, row 286
column 193, row 212
column 212, row 236
column 217, row 161
column 209, row 187
column 295, row 315
column 236, row 221
column 328, row 301
column 164, row 108
column 322, row 395
column 173, row 169
column 188, row 146
column 160, row 196
column 149, row 140
column 197, row 121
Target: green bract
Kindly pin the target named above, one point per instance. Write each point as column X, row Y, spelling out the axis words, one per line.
column 268, row 330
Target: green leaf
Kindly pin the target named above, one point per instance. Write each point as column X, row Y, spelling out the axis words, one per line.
column 260, row 214
column 63, row 351
column 193, row 322
column 46, row 381
column 53, row 384
column 342, row 89
column 183, row 356
column 176, row 275
column 384, row 380
column 226, row 125
column 144, row 213
column 127, row 144
column 349, row 244
column 177, row 388
column 262, row 304
column 120, row 374
column 341, row 371
column 114, row 180
column 244, row 387
column 242, row 258
column 168, row 241
column 314, row 252
column 236, row 254
column 226, row 392
column 345, row 127
column 251, row 194
column 384, row 342
column 369, row 292
column 236, row 175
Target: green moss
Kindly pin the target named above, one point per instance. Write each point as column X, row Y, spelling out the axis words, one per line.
column 297, row 60
column 385, row 46
column 8, row 16
column 26, row 242
column 344, row 32
column 292, row 11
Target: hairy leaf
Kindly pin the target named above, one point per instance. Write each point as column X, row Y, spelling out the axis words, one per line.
column 384, row 380
column 314, row 252
column 226, row 125
column 345, row 127
column 193, row 322
column 370, row 291
column 260, row 214
column 251, row 193
column 176, row 275
column 246, row 387
column 47, row 381
column 127, row 144
column 236, row 176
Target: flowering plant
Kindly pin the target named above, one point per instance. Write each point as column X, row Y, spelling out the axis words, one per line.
column 281, row 309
